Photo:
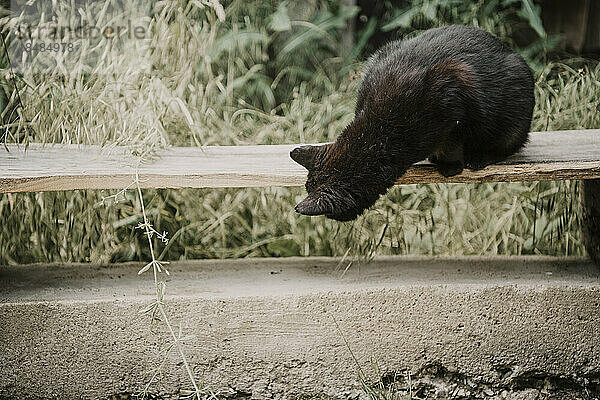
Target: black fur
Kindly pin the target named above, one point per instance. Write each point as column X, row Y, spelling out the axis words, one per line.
column 454, row 94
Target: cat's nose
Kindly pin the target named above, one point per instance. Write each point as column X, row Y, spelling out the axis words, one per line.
column 301, row 209
column 308, row 207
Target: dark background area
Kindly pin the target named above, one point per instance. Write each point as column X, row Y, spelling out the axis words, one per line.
column 576, row 21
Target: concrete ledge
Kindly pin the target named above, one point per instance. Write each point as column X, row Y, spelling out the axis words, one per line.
column 264, row 328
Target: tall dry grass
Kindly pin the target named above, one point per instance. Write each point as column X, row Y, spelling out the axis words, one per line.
column 267, row 74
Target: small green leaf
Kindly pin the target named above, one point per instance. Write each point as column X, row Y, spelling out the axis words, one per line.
column 363, row 38
column 148, row 308
column 403, row 20
column 532, row 13
column 430, row 11
column 146, row 268
column 280, row 21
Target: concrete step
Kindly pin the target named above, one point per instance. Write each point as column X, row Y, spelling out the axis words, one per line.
column 277, row 328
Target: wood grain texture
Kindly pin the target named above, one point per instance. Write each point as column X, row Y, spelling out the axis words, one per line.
column 548, row 156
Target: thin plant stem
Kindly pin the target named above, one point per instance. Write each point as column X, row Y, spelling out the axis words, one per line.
column 159, row 300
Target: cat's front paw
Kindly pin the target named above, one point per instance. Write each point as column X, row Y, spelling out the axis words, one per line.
column 477, row 164
column 449, row 169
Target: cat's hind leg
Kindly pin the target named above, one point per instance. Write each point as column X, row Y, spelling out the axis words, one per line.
column 479, row 155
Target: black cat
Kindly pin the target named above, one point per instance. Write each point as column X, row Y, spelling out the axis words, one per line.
column 455, row 95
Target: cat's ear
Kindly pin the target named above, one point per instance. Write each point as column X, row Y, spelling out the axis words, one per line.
column 315, row 203
column 306, row 155
column 449, row 73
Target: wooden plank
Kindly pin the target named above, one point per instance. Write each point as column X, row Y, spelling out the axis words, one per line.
column 549, row 156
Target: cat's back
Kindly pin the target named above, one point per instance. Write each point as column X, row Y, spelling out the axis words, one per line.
column 496, row 84
column 496, row 71
column 462, row 43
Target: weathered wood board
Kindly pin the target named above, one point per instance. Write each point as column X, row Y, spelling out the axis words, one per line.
column 548, row 156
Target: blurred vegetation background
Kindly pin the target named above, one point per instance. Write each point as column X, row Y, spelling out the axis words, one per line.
column 263, row 72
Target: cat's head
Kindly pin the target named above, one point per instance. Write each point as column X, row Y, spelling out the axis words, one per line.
column 339, row 184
